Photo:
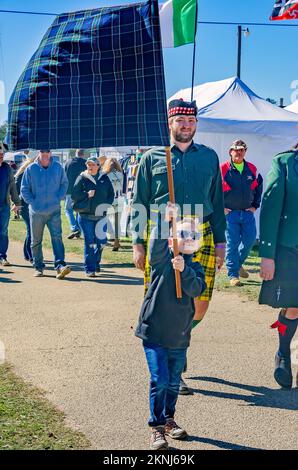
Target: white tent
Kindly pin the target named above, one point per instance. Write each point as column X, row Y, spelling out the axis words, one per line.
column 229, row 110
column 293, row 107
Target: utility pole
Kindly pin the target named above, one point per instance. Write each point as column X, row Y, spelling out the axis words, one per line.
column 239, row 50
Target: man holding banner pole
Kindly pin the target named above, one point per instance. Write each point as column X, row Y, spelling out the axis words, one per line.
column 197, row 183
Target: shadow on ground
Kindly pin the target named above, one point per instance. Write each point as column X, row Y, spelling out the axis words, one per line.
column 260, row 396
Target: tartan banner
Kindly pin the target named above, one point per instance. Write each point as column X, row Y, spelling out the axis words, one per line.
column 96, row 80
column 285, row 10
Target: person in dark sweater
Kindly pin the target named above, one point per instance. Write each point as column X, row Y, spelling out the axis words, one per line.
column 73, row 168
column 8, row 191
column 92, row 195
column 165, row 324
column 24, row 211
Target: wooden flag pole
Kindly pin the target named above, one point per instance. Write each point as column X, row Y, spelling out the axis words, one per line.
column 174, row 228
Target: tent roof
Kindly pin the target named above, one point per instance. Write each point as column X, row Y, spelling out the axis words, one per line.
column 230, row 106
column 293, row 107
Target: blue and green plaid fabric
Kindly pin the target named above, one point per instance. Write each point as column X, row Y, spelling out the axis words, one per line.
column 96, row 80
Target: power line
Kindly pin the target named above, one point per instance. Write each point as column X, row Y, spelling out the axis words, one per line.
column 28, row 12
column 225, row 23
column 250, row 24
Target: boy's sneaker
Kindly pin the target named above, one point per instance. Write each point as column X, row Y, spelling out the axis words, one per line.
column 158, row 440
column 62, row 272
column 184, row 389
column 38, row 273
column 4, row 262
column 174, row 431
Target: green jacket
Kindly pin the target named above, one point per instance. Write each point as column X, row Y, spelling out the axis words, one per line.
column 279, row 210
column 197, row 180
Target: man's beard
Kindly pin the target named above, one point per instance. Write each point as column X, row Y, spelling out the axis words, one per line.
column 180, row 138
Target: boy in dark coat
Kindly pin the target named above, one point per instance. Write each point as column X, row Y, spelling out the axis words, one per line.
column 165, row 324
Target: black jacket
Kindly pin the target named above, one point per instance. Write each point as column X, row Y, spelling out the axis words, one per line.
column 164, row 319
column 73, row 168
column 11, row 189
column 104, row 194
column 241, row 190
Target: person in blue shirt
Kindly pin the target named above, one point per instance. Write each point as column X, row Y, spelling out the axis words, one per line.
column 165, row 324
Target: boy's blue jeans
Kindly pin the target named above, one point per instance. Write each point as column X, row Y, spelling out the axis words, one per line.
column 165, row 367
column 4, row 221
column 241, row 235
column 52, row 220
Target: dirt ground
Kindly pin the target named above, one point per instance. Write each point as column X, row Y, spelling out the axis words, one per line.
column 75, row 340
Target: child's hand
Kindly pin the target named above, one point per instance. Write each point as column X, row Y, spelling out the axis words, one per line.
column 178, row 263
column 171, row 212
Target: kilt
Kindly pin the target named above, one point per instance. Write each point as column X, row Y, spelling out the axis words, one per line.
column 205, row 256
column 282, row 291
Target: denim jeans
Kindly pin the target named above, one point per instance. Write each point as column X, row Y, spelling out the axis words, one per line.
column 93, row 245
column 165, row 367
column 240, row 234
column 73, row 220
column 27, row 243
column 52, row 220
column 4, row 221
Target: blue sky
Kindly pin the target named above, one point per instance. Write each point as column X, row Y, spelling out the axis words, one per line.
column 269, row 54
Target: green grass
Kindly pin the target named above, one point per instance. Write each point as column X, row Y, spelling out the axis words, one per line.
column 17, row 231
column 251, row 286
column 29, row 422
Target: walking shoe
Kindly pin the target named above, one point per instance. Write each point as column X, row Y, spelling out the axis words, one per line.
column 157, row 439
column 4, row 262
column 235, row 282
column 38, row 273
column 90, row 275
column 75, row 234
column 174, row 431
column 283, row 372
column 184, row 389
column 62, row 272
column 243, row 273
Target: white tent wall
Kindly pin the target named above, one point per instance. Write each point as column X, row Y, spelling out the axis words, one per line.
column 230, row 110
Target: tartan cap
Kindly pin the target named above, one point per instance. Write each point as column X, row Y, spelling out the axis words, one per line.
column 181, row 107
column 238, row 144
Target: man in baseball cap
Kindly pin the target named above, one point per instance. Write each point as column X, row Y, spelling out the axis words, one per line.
column 242, row 186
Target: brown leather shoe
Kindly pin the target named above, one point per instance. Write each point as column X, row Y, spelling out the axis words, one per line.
column 243, row 273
